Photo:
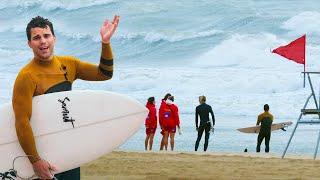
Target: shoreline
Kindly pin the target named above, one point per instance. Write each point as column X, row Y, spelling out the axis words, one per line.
column 199, row 165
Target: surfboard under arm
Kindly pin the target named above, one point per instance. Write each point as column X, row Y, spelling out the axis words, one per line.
column 71, row 128
column 274, row 127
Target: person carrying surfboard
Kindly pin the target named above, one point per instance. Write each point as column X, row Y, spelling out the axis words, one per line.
column 266, row 119
column 203, row 110
column 150, row 123
column 48, row 73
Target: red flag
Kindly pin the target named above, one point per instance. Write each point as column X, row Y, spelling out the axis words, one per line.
column 295, row 51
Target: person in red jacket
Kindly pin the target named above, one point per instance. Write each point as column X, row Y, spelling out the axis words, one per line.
column 151, row 123
column 164, row 110
column 169, row 120
column 174, row 121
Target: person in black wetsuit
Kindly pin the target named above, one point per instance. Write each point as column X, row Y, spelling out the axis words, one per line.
column 266, row 120
column 203, row 111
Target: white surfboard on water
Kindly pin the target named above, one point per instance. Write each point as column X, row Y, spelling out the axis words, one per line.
column 71, row 128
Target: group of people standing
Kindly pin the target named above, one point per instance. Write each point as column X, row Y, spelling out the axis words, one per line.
column 49, row 73
column 169, row 122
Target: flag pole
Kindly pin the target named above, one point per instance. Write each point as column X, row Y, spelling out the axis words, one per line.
column 304, row 64
column 304, row 75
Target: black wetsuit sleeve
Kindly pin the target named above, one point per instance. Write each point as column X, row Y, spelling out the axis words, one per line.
column 212, row 115
column 92, row 72
column 196, row 118
column 258, row 120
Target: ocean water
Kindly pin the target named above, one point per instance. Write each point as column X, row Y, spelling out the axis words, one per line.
column 220, row 49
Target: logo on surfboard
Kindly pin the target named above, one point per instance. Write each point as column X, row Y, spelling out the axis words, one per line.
column 65, row 111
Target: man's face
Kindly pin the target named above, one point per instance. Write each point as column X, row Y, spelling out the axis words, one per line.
column 42, row 43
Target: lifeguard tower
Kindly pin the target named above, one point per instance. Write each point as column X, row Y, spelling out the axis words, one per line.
column 305, row 112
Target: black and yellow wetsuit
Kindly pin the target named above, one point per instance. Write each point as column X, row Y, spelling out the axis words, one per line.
column 39, row 77
column 266, row 120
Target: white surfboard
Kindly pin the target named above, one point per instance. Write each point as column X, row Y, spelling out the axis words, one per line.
column 71, row 128
column 256, row 129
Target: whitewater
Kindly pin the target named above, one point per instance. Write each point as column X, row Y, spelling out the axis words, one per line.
column 187, row 48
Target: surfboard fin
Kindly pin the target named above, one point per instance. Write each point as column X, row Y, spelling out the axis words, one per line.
column 283, row 129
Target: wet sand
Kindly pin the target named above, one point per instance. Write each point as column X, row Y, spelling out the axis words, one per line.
column 190, row 165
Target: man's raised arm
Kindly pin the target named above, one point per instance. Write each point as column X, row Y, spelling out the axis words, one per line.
column 104, row 71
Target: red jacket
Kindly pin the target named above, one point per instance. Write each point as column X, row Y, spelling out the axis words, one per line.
column 151, row 120
column 168, row 115
column 163, row 114
column 175, row 115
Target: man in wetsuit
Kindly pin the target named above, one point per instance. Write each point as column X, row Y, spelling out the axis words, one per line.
column 203, row 111
column 266, row 120
column 48, row 73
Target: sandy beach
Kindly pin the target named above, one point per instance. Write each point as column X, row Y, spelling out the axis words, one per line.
column 190, row 165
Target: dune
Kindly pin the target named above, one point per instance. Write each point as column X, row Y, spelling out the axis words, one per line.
column 192, row 165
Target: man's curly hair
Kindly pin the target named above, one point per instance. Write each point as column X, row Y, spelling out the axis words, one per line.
column 38, row 22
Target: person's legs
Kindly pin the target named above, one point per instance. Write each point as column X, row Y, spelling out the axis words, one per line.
column 164, row 141
column 73, row 174
column 161, row 144
column 267, row 141
column 172, row 140
column 146, row 142
column 260, row 139
column 151, row 141
column 207, row 135
column 200, row 131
